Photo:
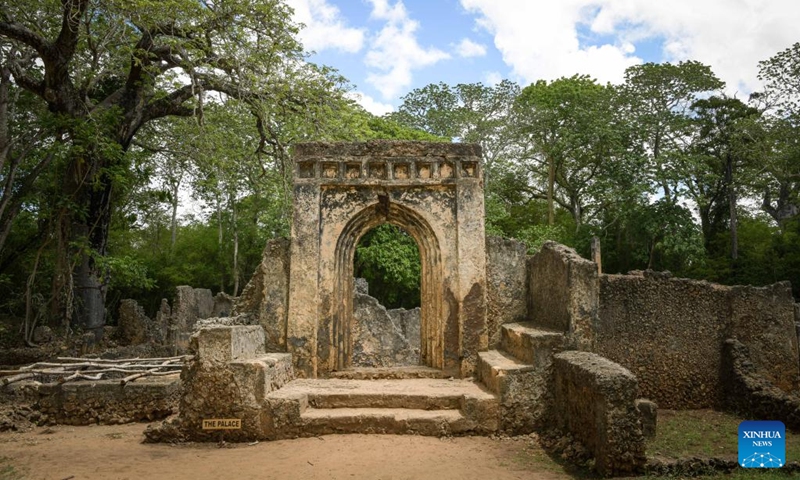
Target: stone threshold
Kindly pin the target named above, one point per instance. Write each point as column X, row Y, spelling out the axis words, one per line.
column 386, row 373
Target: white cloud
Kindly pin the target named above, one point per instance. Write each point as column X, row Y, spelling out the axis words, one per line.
column 493, row 78
column 370, row 104
column 467, row 48
column 324, row 27
column 540, row 40
column 394, row 52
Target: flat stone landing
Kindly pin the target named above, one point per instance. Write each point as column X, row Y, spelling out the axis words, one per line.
column 421, row 406
column 381, row 373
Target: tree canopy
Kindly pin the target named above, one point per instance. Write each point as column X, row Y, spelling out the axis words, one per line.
column 145, row 145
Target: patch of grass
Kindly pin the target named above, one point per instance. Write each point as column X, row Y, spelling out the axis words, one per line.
column 8, row 471
column 706, row 433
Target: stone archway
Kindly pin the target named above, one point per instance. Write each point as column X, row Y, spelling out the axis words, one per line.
column 432, row 190
column 431, row 321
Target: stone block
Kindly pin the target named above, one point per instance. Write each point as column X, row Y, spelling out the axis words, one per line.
column 648, row 415
column 222, row 344
column 594, row 400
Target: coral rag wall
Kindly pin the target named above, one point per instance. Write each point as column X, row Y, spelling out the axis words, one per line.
column 670, row 333
column 506, row 285
column 563, row 294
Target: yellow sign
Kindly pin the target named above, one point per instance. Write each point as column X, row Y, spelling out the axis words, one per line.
column 222, row 423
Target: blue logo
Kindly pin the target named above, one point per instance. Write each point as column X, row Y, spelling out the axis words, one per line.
column 762, row 444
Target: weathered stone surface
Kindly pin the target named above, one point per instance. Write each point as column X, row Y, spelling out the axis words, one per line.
column 648, row 415
column 435, row 193
column 564, row 294
column 229, row 378
column 420, row 406
column 519, row 374
column 135, row 328
column 522, row 389
column 223, row 344
column 506, row 285
column 670, row 332
column 383, row 338
column 594, row 400
column 266, row 296
column 106, row 401
column 763, row 320
column 223, row 305
column 361, row 286
column 189, row 305
column 749, row 391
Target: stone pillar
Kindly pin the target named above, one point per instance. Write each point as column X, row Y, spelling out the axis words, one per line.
column 301, row 328
column 472, row 265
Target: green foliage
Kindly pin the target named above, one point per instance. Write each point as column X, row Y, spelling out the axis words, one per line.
column 388, row 258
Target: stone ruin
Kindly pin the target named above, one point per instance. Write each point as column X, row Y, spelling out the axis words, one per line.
column 169, row 331
column 505, row 342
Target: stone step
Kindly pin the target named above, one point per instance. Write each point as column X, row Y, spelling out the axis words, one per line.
column 495, row 366
column 530, row 344
column 385, row 420
column 422, row 394
column 383, row 373
column 421, row 405
column 520, row 387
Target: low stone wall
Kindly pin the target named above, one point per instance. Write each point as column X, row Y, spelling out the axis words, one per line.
column 106, row 401
column 594, row 400
column 563, row 294
column 228, row 379
column 506, row 285
column 670, row 332
column 749, row 392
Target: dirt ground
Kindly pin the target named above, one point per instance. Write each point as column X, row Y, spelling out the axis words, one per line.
column 116, row 453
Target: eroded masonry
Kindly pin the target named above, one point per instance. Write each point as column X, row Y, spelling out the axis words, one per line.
column 503, row 342
column 341, row 191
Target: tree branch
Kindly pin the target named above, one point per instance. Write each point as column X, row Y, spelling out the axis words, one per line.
column 16, row 31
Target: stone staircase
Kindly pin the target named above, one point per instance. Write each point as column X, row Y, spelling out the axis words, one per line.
column 518, row 373
column 422, row 406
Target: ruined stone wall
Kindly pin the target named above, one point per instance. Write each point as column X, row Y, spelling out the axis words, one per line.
column 506, row 285
column 750, row 394
column 563, row 294
column 670, row 332
column 107, row 402
column 384, row 338
column 266, row 296
column 594, row 400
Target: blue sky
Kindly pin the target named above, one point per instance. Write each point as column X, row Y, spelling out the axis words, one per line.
column 386, row 48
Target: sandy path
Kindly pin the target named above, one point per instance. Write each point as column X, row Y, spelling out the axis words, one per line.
column 116, row 452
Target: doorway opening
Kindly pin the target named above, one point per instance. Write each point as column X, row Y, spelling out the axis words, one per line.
column 386, row 304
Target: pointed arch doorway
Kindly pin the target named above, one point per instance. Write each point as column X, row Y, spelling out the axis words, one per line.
column 433, row 191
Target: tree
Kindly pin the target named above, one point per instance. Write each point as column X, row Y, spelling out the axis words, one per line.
column 470, row 113
column 574, row 145
column 721, row 155
column 781, row 97
column 657, row 99
column 106, row 69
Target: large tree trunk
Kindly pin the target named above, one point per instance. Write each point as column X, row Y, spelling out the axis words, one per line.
column 551, row 182
column 732, row 207
column 90, row 222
